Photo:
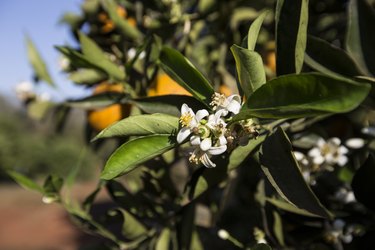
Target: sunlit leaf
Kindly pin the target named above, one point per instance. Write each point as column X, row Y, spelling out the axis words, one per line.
column 360, row 37
column 25, row 181
column 291, row 28
column 157, row 124
column 120, row 23
column 131, row 226
column 293, row 96
column 180, row 69
column 38, row 64
column 132, row 153
column 163, row 240
column 87, row 76
column 254, row 29
column 281, row 169
column 95, row 55
column 250, row 69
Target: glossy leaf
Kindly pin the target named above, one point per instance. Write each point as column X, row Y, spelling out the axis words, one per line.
column 184, row 73
column 76, row 59
column 279, row 203
column 291, row 30
column 138, row 125
column 281, row 169
column 120, row 23
column 98, row 101
column 329, row 59
column 363, row 183
column 25, row 181
column 250, row 69
column 37, row 63
column 360, row 37
column 293, row 96
column 94, row 54
column 239, row 154
column 254, row 29
column 278, row 228
column 132, row 153
column 87, row 76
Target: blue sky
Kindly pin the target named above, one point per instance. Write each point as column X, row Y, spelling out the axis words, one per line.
column 39, row 19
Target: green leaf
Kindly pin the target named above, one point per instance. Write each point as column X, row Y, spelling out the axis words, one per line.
column 185, row 226
column 291, row 28
column 121, row 24
column 261, row 246
column 279, row 203
column 281, row 169
column 132, row 228
column 25, row 181
column 180, row 69
column 329, row 59
column 94, row 54
column 317, row 95
column 240, row 153
column 360, row 38
column 76, row 59
column 254, row 29
column 132, row 153
column 163, row 240
column 363, row 183
column 250, row 69
column 278, row 228
column 138, row 125
column 87, row 76
column 98, row 101
column 38, row 64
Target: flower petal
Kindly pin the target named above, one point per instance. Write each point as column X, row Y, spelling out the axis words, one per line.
column 183, row 134
column 355, row 143
column 195, row 140
column 201, row 114
column 342, row 160
column 206, row 144
column 217, row 150
column 234, row 107
column 205, row 159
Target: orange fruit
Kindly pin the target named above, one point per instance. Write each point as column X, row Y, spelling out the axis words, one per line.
column 101, row 118
column 271, row 61
column 108, row 24
column 164, row 85
column 224, row 89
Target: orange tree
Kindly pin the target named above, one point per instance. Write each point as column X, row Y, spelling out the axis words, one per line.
column 267, row 165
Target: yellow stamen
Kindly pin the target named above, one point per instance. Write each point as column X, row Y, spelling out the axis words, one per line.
column 186, row 119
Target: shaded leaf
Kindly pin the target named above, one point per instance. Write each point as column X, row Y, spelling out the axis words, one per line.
column 317, row 95
column 250, row 69
column 281, row 169
column 363, row 183
column 76, row 59
column 132, row 153
column 360, row 37
column 261, row 246
column 278, row 228
column 289, row 207
column 167, row 104
column 329, row 59
column 240, row 153
column 160, row 124
column 254, row 29
column 38, row 64
column 185, row 226
column 98, row 100
column 184, row 73
column 291, row 28
column 131, row 226
column 94, row 54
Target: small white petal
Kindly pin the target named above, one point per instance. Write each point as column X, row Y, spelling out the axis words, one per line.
column 222, row 140
column 235, row 98
column 342, row 160
column 201, row 114
column 298, row 155
column 217, row 150
column 206, row 144
column 335, row 141
column 183, row 134
column 223, row 234
column 318, row 160
column 350, row 197
column 320, row 142
column 195, row 140
column 314, row 152
column 207, row 162
column 185, row 108
column 355, row 143
column 342, row 150
column 234, row 107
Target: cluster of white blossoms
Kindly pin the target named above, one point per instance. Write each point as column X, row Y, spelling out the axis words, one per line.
column 210, row 134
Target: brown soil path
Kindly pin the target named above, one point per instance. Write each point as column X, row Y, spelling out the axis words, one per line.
column 27, row 223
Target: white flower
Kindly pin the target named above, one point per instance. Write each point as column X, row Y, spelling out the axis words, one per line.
column 230, row 104
column 24, row 90
column 189, row 121
column 344, row 195
column 223, row 234
column 355, row 143
column 329, row 152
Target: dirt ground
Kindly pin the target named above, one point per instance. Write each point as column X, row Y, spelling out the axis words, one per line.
column 27, row 223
